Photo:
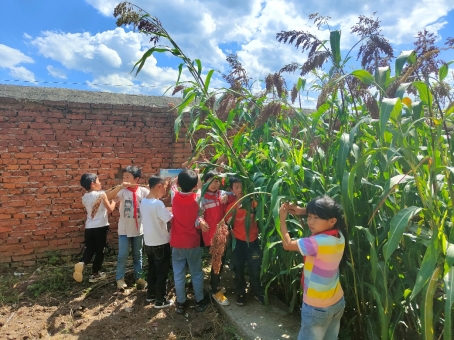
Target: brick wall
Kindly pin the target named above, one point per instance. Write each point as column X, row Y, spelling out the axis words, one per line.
column 44, row 149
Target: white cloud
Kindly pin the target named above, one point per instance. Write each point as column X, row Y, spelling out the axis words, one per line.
column 420, row 15
column 201, row 27
column 10, row 58
column 20, row 72
column 56, row 72
column 83, row 51
column 106, row 7
column 210, row 29
column 109, row 58
column 115, row 81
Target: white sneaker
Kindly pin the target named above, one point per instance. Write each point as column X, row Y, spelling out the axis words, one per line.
column 96, row 277
column 163, row 304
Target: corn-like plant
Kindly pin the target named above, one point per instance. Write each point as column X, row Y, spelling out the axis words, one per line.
column 387, row 156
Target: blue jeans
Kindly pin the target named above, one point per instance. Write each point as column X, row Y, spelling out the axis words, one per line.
column 193, row 257
column 123, row 252
column 321, row 323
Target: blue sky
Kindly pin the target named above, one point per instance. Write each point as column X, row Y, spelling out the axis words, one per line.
column 77, row 41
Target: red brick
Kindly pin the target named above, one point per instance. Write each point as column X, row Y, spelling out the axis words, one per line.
column 5, row 259
column 23, row 257
column 36, row 244
column 4, row 229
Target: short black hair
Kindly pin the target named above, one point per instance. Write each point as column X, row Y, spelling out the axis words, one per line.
column 233, row 180
column 87, row 179
column 154, row 181
column 133, row 170
column 187, row 180
column 209, row 175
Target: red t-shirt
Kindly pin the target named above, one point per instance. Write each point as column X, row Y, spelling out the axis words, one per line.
column 239, row 226
column 185, row 210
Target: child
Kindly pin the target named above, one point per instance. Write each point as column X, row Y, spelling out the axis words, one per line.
column 96, row 228
column 213, row 206
column 156, row 238
column 247, row 248
column 130, row 230
column 185, row 239
column 323, row 297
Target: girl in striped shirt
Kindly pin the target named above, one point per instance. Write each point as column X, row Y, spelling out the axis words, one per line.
column 323, row 297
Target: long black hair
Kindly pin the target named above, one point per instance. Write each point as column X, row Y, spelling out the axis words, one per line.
column 326, row 208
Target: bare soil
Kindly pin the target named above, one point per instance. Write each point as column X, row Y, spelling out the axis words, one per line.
column 46, row 303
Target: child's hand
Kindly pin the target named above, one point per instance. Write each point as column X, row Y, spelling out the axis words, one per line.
column 296, row 210
column 292, row 208
column 204, row 226
column 224, row 198
column 283, row 210
column 128, row 185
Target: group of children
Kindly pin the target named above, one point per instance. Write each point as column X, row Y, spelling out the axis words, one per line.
column 143, row 222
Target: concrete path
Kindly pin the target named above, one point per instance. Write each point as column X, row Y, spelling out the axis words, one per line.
column 254, row 321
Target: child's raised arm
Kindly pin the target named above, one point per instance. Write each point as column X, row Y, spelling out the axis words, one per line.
column 110, row 206
column 123, row 185
column 287, row 241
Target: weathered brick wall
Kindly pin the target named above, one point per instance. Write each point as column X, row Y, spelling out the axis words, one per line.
column 44, row 149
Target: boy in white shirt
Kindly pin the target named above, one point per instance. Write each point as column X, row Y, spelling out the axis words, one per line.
column 130, row 231
column 156, row 238
column 96, row 228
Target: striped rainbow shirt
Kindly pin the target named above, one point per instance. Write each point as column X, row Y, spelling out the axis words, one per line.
column 321, row 269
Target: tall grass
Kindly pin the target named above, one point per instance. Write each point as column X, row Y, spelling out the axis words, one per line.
column 378, row 143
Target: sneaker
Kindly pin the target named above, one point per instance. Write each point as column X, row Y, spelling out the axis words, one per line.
column 260, row 298
column 220, row 298
column 150, row 297
column 180, row 307
column 163, row 304
column 121, row 284
column 96, row 277
column 241, row 300
column 141, row 283
column 200, row 306
column 78, row 271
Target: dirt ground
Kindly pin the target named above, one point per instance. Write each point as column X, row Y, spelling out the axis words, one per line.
column 46, row 303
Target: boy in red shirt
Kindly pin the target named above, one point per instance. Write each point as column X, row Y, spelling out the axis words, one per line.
column 185, row 239
column 247, row 248
column 213, row 205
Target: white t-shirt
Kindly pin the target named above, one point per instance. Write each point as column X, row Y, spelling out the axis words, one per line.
column 154, row 220
column 127, row 223
column 100, row 219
